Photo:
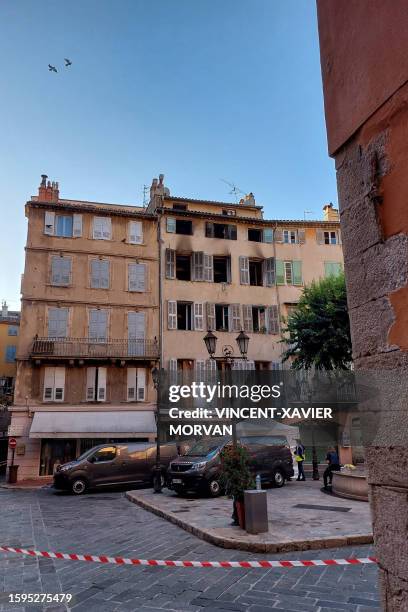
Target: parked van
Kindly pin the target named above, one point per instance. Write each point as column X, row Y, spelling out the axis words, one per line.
column 199, row 468
column 113, row 464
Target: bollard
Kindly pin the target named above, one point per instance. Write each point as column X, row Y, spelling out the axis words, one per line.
column 256, row 512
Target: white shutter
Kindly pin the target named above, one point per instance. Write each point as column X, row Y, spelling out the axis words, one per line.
column 208, row 268
column 244, row 270
column 273, row 319
column 57, row 322
column 98, row 323
column 170, row 263
column 141, row 384
column 135, row 232
column 210, row 316
column 136, row 325
column 49, row 223
column 247, row 317
column 171, row 314
column 278, row 235
column 269, row 271
column 197, row 265
column 131, row 384
column 100, row 274
column 171, row 225
column 90, row 384
column 198, row 316
column 199, row 370
column 137, row 277
column 59, row 384
column 60, row 270
column 234, row 318
column 77, row 226
column 106, row 228
column 319, row 236
column 48, row 394
column 249, row 364
column 97, row 228
column 173, row 371
column 101, row 384
column 212, row 369
column 301, row 236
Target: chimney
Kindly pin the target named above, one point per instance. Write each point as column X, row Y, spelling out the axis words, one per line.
column 4, row 310
column 330, row 213
column 158, row 188
column 47, row 191
column 249, row 199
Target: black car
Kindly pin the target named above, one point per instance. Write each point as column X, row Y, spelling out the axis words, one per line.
column 199, row 469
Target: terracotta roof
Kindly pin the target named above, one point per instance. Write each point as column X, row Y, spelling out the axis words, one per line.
column 211, row 202
column 95, row 207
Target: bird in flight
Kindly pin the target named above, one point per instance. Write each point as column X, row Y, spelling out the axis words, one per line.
column 67, row 62
column 52, row 68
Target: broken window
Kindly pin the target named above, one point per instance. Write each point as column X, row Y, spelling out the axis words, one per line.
column 255, row 272
column 184, row 316
column 221, row 317
column 255, row 235
column 183, row 267
column 221, row 266
column 221, row 230
column 179, row 226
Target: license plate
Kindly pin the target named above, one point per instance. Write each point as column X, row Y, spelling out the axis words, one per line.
column 177, row 481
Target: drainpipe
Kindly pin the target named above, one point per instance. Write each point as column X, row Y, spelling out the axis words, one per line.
column 160, row 254
column 276, row 285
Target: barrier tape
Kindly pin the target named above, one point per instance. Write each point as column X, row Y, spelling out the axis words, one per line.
column 171, row 563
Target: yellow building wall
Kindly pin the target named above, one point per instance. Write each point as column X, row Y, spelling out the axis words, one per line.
column 7, row 369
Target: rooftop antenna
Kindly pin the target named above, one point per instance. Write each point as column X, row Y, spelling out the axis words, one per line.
column 145, row 190
column 235, row 191
column 307, row 212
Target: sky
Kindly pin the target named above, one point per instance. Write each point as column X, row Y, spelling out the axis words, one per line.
column 200, row 90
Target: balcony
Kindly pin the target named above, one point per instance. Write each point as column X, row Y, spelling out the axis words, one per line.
column 96, row 349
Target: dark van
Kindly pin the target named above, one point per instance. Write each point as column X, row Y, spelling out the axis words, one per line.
column 113, row 464
column 199, row 469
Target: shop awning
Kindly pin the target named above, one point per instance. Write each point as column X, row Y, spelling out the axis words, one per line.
column 121, row 424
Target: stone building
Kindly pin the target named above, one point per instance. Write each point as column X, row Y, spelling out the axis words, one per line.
column 9, row 333
column 364, row 60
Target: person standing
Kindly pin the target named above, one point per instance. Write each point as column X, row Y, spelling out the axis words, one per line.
column 333, row 465
column 300, row 458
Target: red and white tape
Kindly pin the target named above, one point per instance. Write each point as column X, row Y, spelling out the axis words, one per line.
column 171, row 563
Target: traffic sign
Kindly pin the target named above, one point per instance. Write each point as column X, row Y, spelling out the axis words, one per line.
column 12, row 443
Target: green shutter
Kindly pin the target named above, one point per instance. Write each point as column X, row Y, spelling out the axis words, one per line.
column 268, row 234
column 280, row 272
column 171, row 225
column 297, row 272
column 332, row 268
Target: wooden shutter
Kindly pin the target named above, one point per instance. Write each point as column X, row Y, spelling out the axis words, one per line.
column 273, row 319
column 231, row 232
column 141, row 384
column 131, row 384
column 48, row 394
column 269, row 271
column 244, row 270
column 280, row 272
column 211, row 368
column 319, row 236
column 136, row 325
column 198, row 315
column 170, row 263
column 229, row 269
column 268, row 234
column 199, row 370
column 209, row 229
column 297, row 272
column 59, row 384
column 210, row 316
column 197, row 261
column 97, row 228
column 101, row 384
column 208, row 268
column 171, row 314
column 57, row 322
column 90, row 384
column 60, row 270
column 278, row 235
column 135, row 232
column 104, row 274
column 49, row 223
column 171, row 225
column 301, row 236
column 77, row 226
column 247, row 317
column 98, row 323
column 173, row 371
column 234, row 318
column 137, row 277
column 288, row 268
column 106, row 228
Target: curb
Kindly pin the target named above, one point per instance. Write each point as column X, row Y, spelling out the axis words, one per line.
column 255, row 547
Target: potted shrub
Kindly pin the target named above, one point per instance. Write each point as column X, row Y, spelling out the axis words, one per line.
column 236, row 478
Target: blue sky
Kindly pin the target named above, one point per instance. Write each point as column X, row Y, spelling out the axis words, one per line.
column 197, row 89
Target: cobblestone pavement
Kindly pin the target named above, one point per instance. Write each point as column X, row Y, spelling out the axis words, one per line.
column 107, row 523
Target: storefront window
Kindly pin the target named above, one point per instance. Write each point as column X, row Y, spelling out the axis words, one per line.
column 54, row 453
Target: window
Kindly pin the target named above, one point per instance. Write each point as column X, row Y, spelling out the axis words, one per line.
column 102, row 228
column 55, row 452
column 332, row 268
column 221, row 230
column 98, row 325
column 184, row 316
column 64, row 226
column 179, row 226
column 99, row 274
column 289, row 236
column 183, row 267
column 330, row 237
column 198, row 316
column 179, row 206
column 107, row 453
column 136, row 384
column 288, row 272
column 259, row 318
column 12, row 330
column 54, row 384
column 136, row 333
column 222, row 269
column 230, row 212
column 255, row 272
column 96, row 384
column 255, row 235
column 11, row 353
column 137, row 277
column 57, row 322
column 135, row 232
column 61, row 270
column 221, row 317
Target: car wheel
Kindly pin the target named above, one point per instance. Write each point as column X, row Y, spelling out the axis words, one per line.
column 278, row 478
column 79, row 486
column 214, row 488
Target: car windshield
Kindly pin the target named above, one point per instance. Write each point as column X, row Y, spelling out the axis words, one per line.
column 85, row 454
column 203, row 448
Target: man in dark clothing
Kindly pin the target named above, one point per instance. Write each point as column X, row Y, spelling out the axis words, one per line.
column 333, row 465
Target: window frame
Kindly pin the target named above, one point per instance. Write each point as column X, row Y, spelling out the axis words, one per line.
column 64, row 218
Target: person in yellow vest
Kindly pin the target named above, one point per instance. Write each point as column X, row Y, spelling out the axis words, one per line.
column 299, row 458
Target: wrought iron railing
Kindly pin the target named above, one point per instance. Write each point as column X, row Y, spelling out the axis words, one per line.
column 94, row 348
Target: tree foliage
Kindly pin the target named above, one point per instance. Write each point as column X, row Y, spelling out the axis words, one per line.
column 318, row 330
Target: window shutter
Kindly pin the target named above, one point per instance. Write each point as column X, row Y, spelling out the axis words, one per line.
column 229, row 269
column 101, row 384
column 49, row 223
column 288, row 272
column 210, row 316
column 98, row 323
column 234, row 317
column 244, row 270
column 59, row 384
column 90, row 384
column 173, row 371
column 208, row 268
column 269, row 271
column 199, row 370
column 60, row 270
column 57, row 322
column 131, row 384
column 136, row 325
column 198, row 316
column 171, row 225
column 211, row 367
column 104, row 274
column 301, row 236
column 106, row 228
column 209, row 229
column 48, row 394
column 171, row 314
column 77, row 226
column 97, row 228
column 297, row 272
column 250, row 364
column 319, row 236
column 339, row 237
column 141, row 384
column 280, row 272
column 170, row 263
column 273, row 319
column 232, row 232
column 268, row 234
column 197, row 260
column 137, row 277
column 247, row 317
column 135, row 232
column 278, row 234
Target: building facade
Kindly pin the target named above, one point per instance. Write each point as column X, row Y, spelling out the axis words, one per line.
column 9, row 336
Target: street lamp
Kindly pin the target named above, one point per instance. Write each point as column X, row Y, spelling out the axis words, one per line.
column 157, row 477
column 243, row 341
column 211, row 343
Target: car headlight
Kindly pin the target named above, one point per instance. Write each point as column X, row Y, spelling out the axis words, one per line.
column 199, row 466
